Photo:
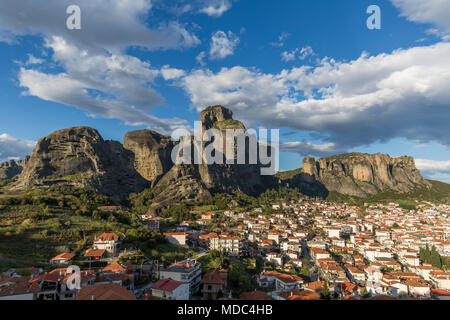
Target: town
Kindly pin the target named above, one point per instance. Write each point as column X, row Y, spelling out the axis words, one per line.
column 307, row 249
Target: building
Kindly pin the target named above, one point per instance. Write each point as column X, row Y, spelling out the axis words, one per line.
column 168, row 289
column 214, row 284
column 178, row 238
column 108, row 242
column 63, row 258
column 111, row 291
column 228, row 244
column 186, row 271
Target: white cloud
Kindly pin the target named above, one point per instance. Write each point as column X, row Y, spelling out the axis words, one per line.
column 436, row 170
column 107, row 85
column 169, row 73
column 14, row 148
column 200, row 58
column 32, row 60
column 216, row 8
column 432, row 166
column 436, row 12
column 356, row 103
column 297, row 53
column 222, row 45
column 112, row 25
column 281, row 39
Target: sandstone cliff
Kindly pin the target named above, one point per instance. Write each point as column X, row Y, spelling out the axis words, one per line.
column 80, row 157
column 151, row 153
column 361, row 175
column 12, row 168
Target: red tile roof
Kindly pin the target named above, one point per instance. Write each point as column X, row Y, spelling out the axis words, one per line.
column 105, row 292
column 67, row 256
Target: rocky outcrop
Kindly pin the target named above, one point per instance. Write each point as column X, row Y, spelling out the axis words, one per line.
column 197, row 182
column 361, row 175
column 151, row 152
column 12, row 168
column 80, row 157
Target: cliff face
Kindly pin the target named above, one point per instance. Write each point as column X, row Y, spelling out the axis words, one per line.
column 197, row 182
column 10, row 169
column 362, row 175
column 80, row 157
column 151, row 152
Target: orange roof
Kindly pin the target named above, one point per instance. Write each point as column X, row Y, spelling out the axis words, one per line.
column 117, row 267
column 67, row 256
column 107, row 237
column 175, row 234
column 215, row 277
column 304, row 295
column 440, row 292
column 255, row 295
column 111, row 291
column 95, row 253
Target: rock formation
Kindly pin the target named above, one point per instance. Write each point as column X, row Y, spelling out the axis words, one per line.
column 362, row 175
column 80, row 157
column 152, row 153
column 10, row 169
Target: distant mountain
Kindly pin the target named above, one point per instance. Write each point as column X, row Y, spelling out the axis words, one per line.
column 80, row 157
column 10, row 169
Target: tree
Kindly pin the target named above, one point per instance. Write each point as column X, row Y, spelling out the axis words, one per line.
column 325, row 293
column 365, row 294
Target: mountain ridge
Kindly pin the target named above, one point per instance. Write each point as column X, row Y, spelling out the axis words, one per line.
column 79, row 156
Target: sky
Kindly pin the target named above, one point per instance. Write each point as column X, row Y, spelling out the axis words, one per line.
column 312, row 69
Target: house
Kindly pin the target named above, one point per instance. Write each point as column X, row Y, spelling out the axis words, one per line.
column 178, row 238
column 63, row 258
column 274, row 258
column 186, row 271
column 169, row 289
column 418, row 288
column 18, row 289
column 297, row 294
column 95, row 254
column 225, row 243
column 110, row 291
column 285, row 282
column 118, row 267
column 214, row 284
column 108, row 242
column 208, row 215
column 254, row 296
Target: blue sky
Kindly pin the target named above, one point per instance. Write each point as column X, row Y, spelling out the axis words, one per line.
column 311, row 68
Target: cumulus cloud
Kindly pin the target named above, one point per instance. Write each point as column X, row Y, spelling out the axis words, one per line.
column 113, row 86
column 436, row 12
column 356, row 103
column 113, row 25
column 14, row 148
column 432, row 166
column 222, row 45
column 432, row 169
column 169, row 73
column 215, row 8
